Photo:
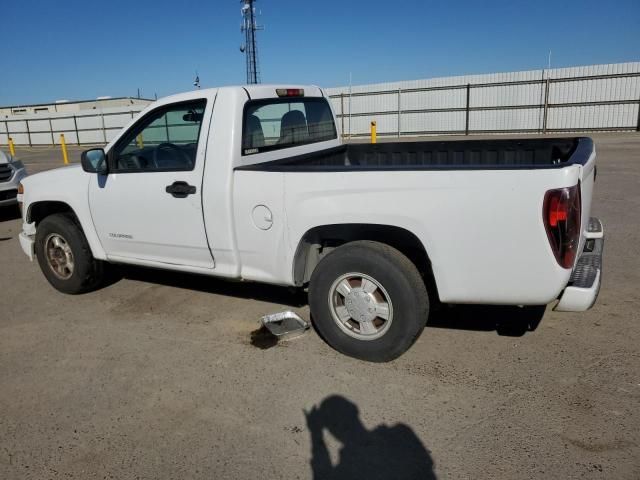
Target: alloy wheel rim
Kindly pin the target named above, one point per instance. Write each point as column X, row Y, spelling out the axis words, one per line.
column 59, row 256
column 360, row 306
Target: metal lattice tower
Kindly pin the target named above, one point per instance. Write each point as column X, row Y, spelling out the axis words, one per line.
column 250, row 47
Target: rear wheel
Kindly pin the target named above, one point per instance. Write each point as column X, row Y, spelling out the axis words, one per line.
column 368, row 301
column 64, row 255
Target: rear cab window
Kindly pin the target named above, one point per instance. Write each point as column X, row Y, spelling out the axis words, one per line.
column 277, row 123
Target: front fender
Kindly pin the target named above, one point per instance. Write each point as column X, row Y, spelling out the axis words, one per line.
column 67, row 186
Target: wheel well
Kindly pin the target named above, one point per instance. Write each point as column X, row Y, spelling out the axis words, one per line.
column 38, row 211
column 319, row 241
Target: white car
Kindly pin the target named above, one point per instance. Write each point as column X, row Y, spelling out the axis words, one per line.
column 12, row 171
column 253, row 183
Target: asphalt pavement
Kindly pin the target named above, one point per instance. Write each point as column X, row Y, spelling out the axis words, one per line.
column 156, row 376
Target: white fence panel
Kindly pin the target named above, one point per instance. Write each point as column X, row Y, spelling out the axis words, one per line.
column 40, row 126
column 595, row 97
column 91, row 136
column 63, row 124
column 93, row 122
column 529, row 119
column 592, row 117
column 377, row 103
column 507, row 95
column 41, row 139
column 416, row 123
column 598, row 90
column 433, row 99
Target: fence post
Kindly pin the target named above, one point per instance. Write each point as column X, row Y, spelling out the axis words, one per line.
column 466, row 126
column 342, row 114
column 104, row 130
column 399, row 111
column 546, row 106
column 75, row 126
column 53, row 141
column 28, row 132
column 349, row 112
column 637, row 124
column 542, row 83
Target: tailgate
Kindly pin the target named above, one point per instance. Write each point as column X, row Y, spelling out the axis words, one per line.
column 585, row 156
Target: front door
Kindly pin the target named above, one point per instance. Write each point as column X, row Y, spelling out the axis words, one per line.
column 149, row 206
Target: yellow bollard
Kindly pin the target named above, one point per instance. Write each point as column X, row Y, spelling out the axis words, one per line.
column 63, row 145
column 140, row 141
column 12, row 147
column 374, row 132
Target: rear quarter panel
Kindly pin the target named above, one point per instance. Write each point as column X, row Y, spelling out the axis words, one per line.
column 482, row 229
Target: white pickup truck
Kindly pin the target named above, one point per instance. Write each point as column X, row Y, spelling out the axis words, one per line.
column 253, row 183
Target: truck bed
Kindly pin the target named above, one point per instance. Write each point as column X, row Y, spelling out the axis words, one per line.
column 449, row 155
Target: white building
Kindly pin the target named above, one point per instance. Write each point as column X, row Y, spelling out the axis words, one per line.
column 72, row 106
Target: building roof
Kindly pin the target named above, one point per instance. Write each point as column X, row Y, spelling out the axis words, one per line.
column 66, row 102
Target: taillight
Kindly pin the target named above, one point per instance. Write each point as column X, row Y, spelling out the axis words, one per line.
column 561, row 213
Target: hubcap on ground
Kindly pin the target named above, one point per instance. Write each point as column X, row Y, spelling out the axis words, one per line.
column 360, row 306
column 59, row 256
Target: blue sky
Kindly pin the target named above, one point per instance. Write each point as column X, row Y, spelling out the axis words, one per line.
column 81, row 49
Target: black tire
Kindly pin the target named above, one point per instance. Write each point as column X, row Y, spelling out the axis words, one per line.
column 396, row 274
column 88, row 273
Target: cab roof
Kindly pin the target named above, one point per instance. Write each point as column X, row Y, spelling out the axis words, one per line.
column 253, row 91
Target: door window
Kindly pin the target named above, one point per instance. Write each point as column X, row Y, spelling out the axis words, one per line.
column 164, row 140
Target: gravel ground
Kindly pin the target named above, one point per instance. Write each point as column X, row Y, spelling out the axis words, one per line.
column 154, row 377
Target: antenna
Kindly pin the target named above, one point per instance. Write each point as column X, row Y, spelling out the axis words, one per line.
column 250, row 47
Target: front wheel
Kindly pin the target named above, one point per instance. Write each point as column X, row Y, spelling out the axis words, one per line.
column 368, row 301
column 64, row 255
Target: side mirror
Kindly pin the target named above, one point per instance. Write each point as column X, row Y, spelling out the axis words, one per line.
column 94, row 161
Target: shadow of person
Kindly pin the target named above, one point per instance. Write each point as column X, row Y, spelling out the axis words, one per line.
column 386, row 452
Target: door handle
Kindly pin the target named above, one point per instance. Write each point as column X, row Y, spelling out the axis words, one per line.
column 180, row 189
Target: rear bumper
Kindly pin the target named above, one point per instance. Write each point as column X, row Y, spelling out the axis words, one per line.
column 584, row 284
